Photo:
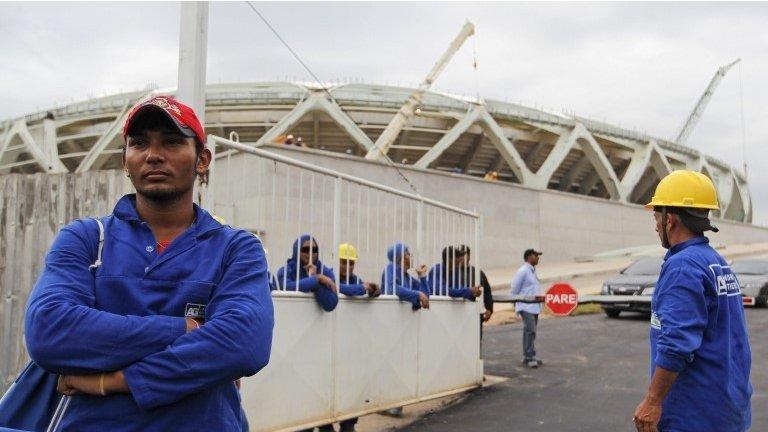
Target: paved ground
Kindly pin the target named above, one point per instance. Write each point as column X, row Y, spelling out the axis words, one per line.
column 595, row 373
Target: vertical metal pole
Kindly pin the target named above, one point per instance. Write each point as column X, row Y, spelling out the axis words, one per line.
column 420, row 225
column 358, row 214
column 476, row 251
column 298, row 224
column 403, row 273
column 387, row 243
column 378, row 242
column 193, row 48
column 336, row 221
column 322, row 206
column 285, row 220
column 230, row 203
column 273, row 239
column 368, row 228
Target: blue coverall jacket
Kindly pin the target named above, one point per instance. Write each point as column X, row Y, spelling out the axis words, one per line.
column 294, row 277
column 396, row 280
column 129, row 313
column 698, row 329
column 451, row 285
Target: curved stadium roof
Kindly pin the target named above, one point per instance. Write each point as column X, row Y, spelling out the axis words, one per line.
column 537, row 148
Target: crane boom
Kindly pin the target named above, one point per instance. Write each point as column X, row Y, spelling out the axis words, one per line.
column 405, row 112
column 701, row 105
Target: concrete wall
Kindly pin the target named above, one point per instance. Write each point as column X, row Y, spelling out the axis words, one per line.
column 32, row 210
column 561, row 224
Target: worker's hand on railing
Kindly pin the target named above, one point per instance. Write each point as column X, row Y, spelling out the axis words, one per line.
column 327, row 283
column 476, row 291
column 372, row 289
column 421, row 270
column 424, row 300
column 311, row 269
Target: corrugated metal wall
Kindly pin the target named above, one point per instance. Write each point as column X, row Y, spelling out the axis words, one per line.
column 32, row 210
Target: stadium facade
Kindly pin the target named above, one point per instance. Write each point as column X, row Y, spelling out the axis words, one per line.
column 535, row 148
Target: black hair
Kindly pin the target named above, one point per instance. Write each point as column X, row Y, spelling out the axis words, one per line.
column 695, row 220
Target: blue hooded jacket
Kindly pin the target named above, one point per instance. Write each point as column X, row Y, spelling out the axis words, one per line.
column 395, row 280
column 442, row 284
column 698, row 329
column 128, row 314
column 286, row 277
column 352, row 285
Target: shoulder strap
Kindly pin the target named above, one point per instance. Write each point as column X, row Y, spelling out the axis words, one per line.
column 97, row 263
column 63, row 404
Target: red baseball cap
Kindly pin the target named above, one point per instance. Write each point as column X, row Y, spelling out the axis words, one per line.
column 181, row 115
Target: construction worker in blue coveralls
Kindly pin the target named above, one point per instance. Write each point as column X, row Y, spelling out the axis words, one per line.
column 700, row 354
column 306, row 273
column 351, row 284
column 154, row 335
column 395, row 279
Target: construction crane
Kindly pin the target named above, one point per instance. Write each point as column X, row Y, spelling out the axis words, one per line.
column 701, row 105
column 394, row 127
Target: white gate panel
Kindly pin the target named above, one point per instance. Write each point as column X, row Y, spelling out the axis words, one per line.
column 377, row 354
column 449, row 346
column 296, row 384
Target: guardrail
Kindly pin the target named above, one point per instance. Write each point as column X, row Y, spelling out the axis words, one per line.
column 280, row 199
column 583, row 299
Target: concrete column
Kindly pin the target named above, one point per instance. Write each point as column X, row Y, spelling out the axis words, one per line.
column 193, row 48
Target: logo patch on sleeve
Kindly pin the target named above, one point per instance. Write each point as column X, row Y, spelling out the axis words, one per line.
column 655, row 321
column 194, row 310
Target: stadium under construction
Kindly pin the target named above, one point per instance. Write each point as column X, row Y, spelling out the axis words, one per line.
column 489, row 139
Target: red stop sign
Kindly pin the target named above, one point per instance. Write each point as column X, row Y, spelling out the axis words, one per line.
column 561, row 299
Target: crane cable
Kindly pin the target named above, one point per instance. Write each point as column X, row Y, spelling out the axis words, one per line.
column 325, row 89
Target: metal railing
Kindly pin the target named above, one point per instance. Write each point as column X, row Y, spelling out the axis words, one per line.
column 280, row 199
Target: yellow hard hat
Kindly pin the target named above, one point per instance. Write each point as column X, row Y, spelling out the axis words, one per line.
column 347, row 252
column 683, row 188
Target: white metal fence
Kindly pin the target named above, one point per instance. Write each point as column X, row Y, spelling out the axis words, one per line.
column 365, row 355
column 281, row 198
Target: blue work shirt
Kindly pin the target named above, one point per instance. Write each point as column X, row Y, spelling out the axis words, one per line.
column 698, row 329
column 128, row 314
column 352, row 285
column 527, row 283
column 451, row 285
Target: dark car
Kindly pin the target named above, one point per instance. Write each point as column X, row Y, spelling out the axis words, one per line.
column 753, row 279
column 639, row 279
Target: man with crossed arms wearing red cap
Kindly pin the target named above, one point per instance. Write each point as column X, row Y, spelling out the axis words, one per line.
column 154, row 337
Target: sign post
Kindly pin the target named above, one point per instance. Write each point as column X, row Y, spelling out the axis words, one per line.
column 561, row 299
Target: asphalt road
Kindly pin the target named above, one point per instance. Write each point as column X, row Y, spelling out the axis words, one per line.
column 595, row 373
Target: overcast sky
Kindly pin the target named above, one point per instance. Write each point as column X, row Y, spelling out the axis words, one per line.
column 638, row 65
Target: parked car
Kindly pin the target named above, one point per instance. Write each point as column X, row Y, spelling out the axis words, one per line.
column 753, row 279
column 639, row 279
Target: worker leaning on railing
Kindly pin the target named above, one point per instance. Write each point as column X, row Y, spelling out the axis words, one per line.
column 351, row 284
column 395, row 279
column 306, row 273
